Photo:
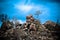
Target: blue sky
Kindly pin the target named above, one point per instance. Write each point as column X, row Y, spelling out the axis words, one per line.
column 49, row 9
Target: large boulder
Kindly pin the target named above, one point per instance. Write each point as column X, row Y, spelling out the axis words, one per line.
column 50, row 25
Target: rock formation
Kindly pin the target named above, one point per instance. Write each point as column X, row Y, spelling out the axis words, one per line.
column 25, row 31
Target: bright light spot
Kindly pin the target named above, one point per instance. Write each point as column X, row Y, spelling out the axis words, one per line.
column 20, row 21
column 24, row 8
column 29, row 8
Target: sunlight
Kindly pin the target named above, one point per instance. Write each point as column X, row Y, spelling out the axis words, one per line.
column 24, row 8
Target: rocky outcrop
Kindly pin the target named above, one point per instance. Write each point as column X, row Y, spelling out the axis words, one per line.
column 41, row 32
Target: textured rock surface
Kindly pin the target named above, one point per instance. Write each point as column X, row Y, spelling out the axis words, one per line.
column 19, row 34
column 42, row 32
